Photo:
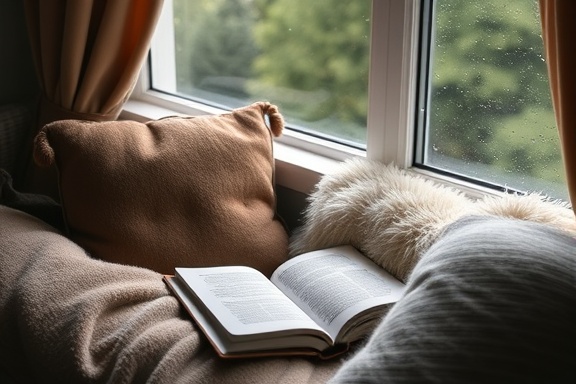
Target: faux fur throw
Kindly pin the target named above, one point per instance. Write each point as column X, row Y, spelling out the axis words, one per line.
column 394, row 217
column 69, row 318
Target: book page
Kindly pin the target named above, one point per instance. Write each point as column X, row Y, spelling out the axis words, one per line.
column 244, row 348
column 245, row 302
column 335, row 284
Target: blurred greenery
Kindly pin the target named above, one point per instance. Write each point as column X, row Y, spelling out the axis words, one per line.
column 489, row 94
column 309, row 58
column 213, row 41
column 318, row 47
column 490, row 98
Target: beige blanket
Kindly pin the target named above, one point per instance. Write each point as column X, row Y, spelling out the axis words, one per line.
column 65, row 317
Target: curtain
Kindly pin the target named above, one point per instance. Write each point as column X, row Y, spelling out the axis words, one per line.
column 88, row 55
column 558, row 31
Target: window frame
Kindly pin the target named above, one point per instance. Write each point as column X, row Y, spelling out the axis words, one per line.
column 302, row 159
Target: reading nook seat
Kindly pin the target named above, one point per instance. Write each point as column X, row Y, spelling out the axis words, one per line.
column 490, row 295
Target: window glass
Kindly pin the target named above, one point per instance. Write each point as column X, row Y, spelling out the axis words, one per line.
column 489, row 114
column 308, row 57
column 485, row 111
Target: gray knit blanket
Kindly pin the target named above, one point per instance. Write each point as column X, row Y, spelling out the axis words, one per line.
column 493, row 301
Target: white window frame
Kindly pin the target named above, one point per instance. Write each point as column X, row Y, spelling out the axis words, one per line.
column 300, row 159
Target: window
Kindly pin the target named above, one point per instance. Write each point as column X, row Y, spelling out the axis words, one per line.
column 309, row 58
column 465, row 81
column 486, row 106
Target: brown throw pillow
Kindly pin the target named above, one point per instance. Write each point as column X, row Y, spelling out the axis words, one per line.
column 180, row 191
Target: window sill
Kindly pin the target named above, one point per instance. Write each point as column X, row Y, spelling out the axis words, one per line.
column 300, row 169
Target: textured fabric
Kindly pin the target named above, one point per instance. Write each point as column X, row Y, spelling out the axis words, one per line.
column 39, row 206
column 15, row 124
column 393, row 216
column 558, row 30
column 177, row 192
column 387, row 213
column 493, row 301
column 88, row 57
column 68, row 318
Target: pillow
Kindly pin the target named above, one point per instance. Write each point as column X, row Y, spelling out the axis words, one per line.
column 392, row 216
column 493, row 301
column 180, row 191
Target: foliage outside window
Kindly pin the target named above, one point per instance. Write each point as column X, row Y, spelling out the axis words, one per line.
column 308, row 57
column 489, row 110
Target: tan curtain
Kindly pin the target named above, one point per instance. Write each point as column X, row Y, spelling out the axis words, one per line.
column 559, row 31
column 88, row 54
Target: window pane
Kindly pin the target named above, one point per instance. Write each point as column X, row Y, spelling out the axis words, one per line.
column 489, row 112
column 308, row 57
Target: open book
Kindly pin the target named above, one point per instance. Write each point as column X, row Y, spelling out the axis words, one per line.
column 314, row 304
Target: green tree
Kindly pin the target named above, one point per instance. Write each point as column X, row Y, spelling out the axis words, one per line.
column 314, row 58
column 216, row 44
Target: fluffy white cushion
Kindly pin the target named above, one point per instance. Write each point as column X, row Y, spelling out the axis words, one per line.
column 393, row 217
